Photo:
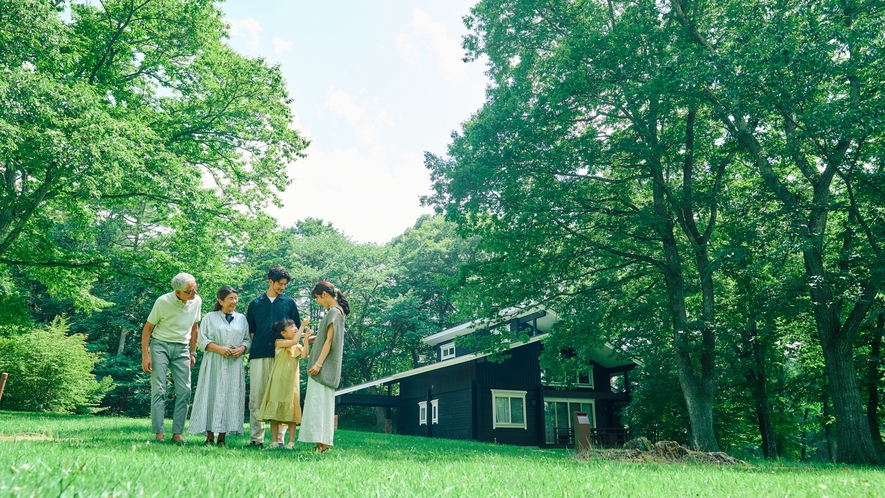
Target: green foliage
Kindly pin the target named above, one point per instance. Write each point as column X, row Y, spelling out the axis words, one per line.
column 133, row 121
column 50, row 370
column 681, row 172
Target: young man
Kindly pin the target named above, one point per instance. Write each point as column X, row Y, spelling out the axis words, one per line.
column 264, row 311
column 169, row 342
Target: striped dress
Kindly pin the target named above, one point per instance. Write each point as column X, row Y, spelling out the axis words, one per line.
column 220, row 399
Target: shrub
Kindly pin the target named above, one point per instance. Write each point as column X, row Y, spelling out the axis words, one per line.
column 50, row 371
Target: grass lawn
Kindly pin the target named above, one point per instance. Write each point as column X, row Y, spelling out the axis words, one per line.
column 65, row 455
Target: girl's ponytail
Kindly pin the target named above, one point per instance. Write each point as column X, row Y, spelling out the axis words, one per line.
column 342, row 301
column 328, row 288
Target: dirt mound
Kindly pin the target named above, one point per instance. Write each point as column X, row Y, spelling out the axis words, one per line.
column 641, row 450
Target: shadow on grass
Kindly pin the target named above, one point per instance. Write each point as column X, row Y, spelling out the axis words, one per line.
column 90, row 432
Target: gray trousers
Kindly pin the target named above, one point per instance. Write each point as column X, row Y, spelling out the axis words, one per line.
column 259, row 376
column 175, row 357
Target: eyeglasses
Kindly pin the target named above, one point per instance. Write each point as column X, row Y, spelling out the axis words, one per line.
column 191, row 292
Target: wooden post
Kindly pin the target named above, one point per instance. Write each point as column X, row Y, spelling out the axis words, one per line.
column 3, row 383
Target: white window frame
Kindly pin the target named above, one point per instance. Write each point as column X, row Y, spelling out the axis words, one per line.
column 501, row 393
column 422, row 413
column 442, row 351
column 434, row 411
column 591, row 384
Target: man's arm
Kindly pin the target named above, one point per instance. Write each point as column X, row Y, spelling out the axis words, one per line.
column 250, row 320
column 146, row 363
column 195, row 332
column 294, row 315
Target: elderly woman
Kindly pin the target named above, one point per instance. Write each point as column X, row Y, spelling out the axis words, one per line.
column 219, row 404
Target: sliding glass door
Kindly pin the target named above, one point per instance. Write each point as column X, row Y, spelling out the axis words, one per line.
column 558, row 417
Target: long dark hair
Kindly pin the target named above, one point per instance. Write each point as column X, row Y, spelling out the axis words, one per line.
column 327, row 287
column 278, row 327
column 222, row 293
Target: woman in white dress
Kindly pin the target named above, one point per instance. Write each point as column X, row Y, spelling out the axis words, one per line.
column 220, row 400
column 324, row 369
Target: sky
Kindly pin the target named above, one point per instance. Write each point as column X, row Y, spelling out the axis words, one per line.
column 374, row 84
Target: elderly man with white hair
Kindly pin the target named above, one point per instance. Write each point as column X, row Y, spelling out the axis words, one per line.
column 169, row 342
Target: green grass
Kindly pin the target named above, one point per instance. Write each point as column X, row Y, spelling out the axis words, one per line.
column 64, row 455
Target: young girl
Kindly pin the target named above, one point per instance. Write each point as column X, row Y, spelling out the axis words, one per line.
column 282, row 399
column 324, row 368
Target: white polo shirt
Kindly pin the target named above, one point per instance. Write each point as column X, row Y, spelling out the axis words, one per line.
column 173, row 319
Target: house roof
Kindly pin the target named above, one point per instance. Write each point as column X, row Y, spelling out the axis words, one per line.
column 605, row 355
column 545, row 323
column 427, row 368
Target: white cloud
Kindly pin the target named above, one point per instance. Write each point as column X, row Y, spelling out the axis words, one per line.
column 280, row 45
column 249, row 28
column 406, row 48
column 370, row 197
column 368, row 119
column 449, row 53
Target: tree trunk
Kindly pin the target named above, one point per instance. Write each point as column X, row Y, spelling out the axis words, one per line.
column 380, row 412
column 805, row 437
column 852, row 429
column 122, row 344
column 828, row 430
column 855, row 442
column 873, row 383
column 698, row 393
column 763, row 403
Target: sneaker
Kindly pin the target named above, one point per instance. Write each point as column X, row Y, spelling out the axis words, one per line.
column 275, row 446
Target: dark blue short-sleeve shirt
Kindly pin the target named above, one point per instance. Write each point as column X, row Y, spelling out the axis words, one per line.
column 261, row 314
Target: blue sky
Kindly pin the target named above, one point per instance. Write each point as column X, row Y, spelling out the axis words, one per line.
column 374, row 84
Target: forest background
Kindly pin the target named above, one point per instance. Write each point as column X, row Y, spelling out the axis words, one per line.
column 701, row 186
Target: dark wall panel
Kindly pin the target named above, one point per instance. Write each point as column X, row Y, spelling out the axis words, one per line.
column 455, row 416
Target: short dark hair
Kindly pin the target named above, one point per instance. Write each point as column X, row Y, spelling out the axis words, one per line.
column 278, row 273
column 278, row 327
column 222, row 294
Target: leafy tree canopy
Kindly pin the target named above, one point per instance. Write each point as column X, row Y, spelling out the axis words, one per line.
column 132, row 119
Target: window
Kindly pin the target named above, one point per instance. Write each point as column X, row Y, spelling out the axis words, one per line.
column 434, row 411
column 582, row 378
column 447, row 351
column 508, row 409
column 585, row 377
column 422, row 413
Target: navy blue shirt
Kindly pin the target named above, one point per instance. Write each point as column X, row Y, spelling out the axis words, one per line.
column 261, row 314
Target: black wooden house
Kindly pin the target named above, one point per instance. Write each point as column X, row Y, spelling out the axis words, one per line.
column 463, row 395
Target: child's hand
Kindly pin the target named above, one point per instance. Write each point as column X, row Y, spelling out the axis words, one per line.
column 305, row 322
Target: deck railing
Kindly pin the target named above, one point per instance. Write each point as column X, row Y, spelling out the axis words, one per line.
column 599, row 437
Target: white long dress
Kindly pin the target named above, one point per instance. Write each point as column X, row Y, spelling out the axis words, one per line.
column 220, row 399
